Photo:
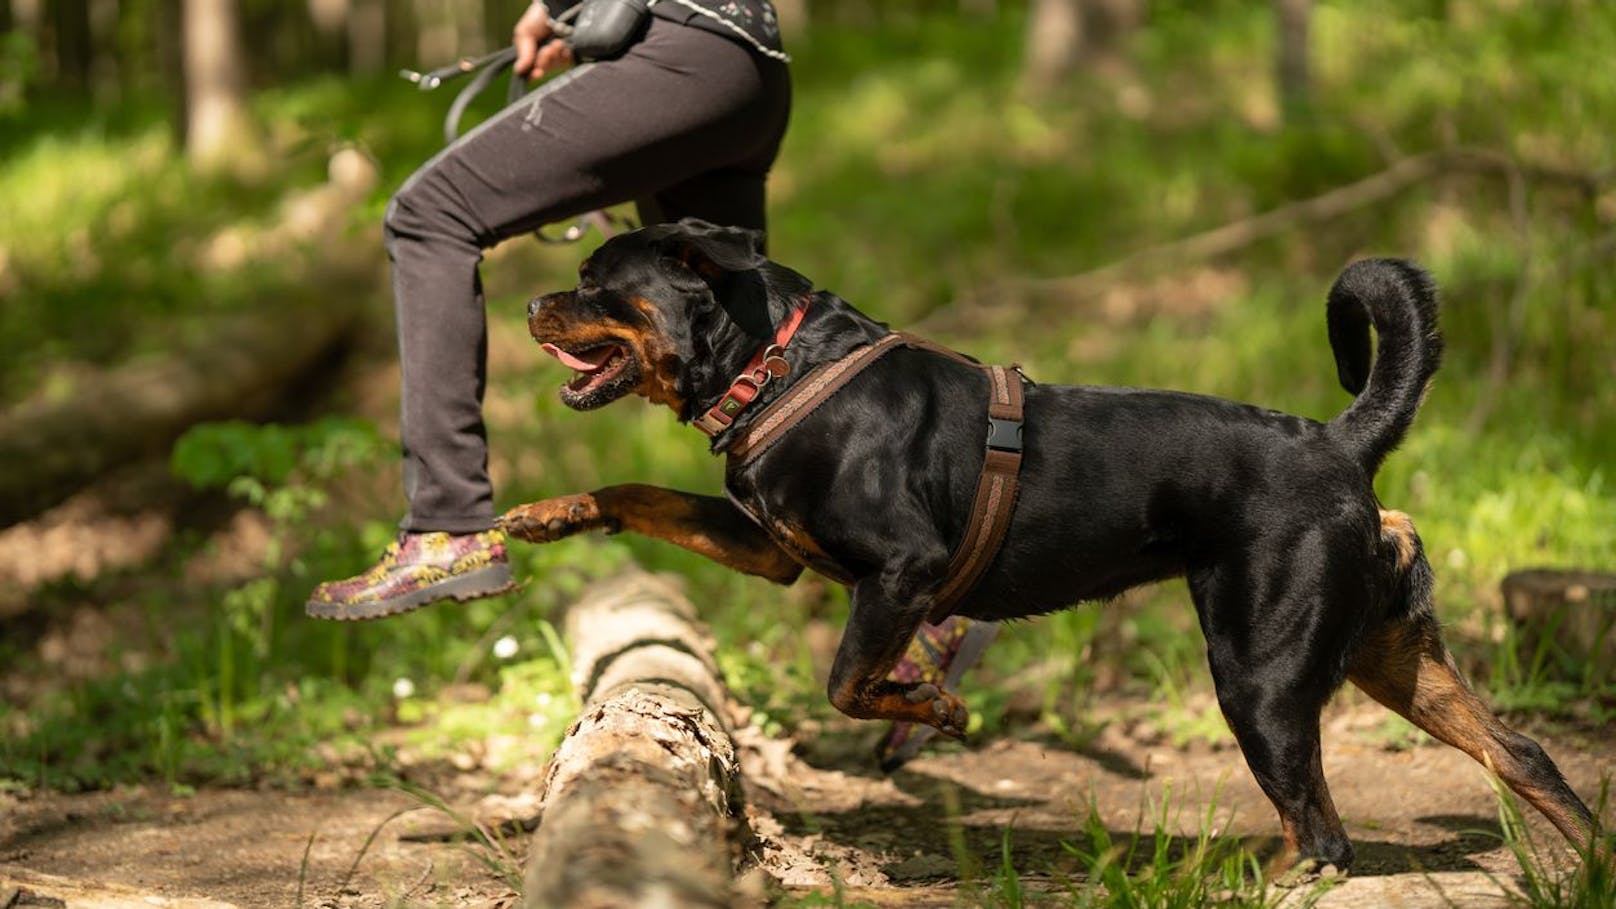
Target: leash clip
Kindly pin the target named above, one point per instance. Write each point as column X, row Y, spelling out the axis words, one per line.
column 774, row 366
column 774, row 363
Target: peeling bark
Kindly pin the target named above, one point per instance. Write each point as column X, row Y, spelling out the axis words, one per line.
column 642, row 799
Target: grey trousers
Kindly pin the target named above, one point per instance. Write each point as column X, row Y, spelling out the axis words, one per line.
column 686, row 123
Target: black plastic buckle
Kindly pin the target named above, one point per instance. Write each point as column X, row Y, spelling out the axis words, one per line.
column 1004, row 435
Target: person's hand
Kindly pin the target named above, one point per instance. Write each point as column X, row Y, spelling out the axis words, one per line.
column 537, row 49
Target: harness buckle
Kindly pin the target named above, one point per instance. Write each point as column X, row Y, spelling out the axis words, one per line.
column 1004, row 435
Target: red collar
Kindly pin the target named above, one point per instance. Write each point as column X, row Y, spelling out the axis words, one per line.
column 768, row 364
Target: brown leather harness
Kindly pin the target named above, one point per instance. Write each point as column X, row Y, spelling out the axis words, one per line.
column 995, row 498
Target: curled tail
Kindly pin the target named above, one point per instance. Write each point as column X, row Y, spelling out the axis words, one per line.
column 1399, row 299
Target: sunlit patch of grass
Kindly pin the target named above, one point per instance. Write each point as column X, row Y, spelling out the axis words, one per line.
column 1548, row 880
column 1157, row 869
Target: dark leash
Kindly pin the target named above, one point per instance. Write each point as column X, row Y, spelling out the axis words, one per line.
column 483, row 71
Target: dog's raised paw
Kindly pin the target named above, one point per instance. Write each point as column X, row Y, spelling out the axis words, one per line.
column 549, row 520
column 950, row 716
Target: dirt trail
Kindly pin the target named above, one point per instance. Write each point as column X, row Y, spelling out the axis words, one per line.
column 1424, row 821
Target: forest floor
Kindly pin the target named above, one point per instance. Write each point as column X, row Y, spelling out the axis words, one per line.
column 1423, row 819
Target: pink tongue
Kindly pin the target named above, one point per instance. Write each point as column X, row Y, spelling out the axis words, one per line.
column 596, row 358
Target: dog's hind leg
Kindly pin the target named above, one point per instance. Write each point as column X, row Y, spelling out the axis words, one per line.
column 1271, row 659
column 1404, row 665
column 888, row 608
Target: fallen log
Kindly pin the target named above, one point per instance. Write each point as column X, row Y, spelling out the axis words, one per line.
column 641, row 802
column 20, row 887
column 54, row 445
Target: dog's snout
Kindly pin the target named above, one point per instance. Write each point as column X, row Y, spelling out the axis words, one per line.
column 534, row 305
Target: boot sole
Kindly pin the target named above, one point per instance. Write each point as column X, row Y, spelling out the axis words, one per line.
column 473, row 585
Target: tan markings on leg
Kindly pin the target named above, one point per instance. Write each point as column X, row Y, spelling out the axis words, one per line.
column 1397, row 529
column 805, row 549
column 922, row 703
column 705, row 525
column 1406, row 667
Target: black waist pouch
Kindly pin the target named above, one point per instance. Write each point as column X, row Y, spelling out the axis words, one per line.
column 606, row 28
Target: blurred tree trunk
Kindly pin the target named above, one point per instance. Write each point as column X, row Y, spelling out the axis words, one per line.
column 434, row 32
column 793, row 16
column 367, row 37
column 71, row 21
column 1054, row 35
column 104, row 62
column 1107, row 27
column 24, row 15
column 218, row 132
column 1291, row 69
column 1063, row 33
column 468, row 22
column 981, row 9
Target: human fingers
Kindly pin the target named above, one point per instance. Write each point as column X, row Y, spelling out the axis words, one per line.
column 553, row 56
column 528, row 36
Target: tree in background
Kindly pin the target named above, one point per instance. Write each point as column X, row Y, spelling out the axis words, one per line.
column 1291, row 69
column 1054, row 30
column 218, row 132
column 1061, row 34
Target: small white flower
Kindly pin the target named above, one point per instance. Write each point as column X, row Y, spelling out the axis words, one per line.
column 543, row 699
column 506, row 647
column 403, row 688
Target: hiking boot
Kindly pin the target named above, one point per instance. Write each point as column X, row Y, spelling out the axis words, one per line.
column 939, row 654
column 417, row 569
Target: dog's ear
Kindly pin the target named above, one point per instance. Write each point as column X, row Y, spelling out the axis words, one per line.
column 731, row 263
column 713, row 251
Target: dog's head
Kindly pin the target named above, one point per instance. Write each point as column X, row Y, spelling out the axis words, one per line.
column 670, row 312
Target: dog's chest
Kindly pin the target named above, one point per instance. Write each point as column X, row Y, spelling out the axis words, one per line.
column 788, row 532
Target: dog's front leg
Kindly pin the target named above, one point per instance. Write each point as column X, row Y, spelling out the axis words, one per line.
column 887, row 611
column 706, row 525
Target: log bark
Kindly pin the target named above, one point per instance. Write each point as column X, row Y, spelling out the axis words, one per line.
column 640, row 802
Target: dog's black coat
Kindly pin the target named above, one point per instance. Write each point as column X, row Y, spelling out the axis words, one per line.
column 1299, row 578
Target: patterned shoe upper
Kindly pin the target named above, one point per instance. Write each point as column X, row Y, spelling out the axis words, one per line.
column 415, row 561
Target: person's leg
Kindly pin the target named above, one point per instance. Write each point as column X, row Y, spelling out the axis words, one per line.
column 680, row 103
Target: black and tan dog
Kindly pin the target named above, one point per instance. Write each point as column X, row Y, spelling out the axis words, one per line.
column 1300, row 579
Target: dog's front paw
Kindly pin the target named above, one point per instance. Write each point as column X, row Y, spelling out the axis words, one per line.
column 552, row 519
column 948, row 711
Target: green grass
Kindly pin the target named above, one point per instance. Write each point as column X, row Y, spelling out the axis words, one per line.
column 913, row 179
column 1547, row 879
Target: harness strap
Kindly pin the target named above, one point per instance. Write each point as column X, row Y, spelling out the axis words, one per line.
column 996, row 486
column 803, row 398
column 995, row 500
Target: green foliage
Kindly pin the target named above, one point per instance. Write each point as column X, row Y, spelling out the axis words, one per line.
column 19, row 66
column 1158, row 870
